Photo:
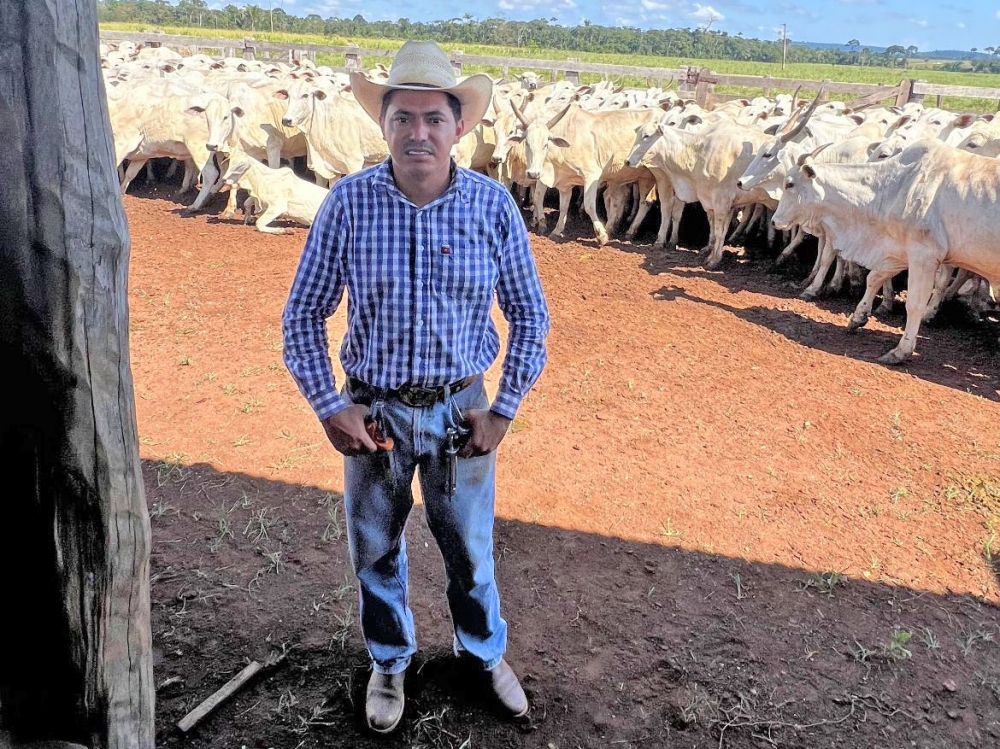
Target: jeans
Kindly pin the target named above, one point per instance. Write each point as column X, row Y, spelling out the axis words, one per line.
column 377, row 501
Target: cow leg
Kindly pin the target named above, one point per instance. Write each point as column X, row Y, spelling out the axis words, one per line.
column 837, row 282
column 134, row 167
column 190, row 173
column 824, row 260
column 942, row 282
column 918, row 294
column 888, row 303
column 230, row 211
column 615, row 198
column 565, row 198
column 797, row 240
column 150, row 175
column 172, row 169
column 209, row 176
column 720, row 222
column 537, row 192
column 590, row 206
column 872, row 284
column 710, row 215
column 271, row 213
column 644, row 207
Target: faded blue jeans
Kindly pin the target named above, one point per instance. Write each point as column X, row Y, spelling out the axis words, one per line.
column 378, row 499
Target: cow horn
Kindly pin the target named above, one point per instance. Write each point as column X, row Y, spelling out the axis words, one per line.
column 801, row 118
column 552, row 123
column 519, row 113
column 806, row 156
column 795, row 95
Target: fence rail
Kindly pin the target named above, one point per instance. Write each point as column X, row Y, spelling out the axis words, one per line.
column 698, row 82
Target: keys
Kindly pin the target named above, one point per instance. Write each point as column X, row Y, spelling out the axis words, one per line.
column 451, row 457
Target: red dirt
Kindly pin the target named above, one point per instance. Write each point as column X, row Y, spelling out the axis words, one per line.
column 701, row 447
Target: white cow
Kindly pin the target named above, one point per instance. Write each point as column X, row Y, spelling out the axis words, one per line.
column 276, row 192
column 930, row 205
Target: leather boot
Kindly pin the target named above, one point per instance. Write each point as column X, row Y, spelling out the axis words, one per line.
column 384, row 701
column 507, row 690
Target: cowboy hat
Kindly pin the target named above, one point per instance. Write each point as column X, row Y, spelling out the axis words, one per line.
column 423, row 66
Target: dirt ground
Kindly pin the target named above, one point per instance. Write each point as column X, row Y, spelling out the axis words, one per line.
column 720, row 522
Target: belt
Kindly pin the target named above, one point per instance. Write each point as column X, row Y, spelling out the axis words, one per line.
column 415, row 396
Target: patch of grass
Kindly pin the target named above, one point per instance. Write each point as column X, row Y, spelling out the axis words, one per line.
column 229, row 388
column 285, row 463
column 931, row 642
column 982, row 491
column 334, row 530
column 823, row 582
column 258, row 526
column 740, row 592
column 894, row 426
column 343, row 624
column 896, row 649
column 251, row 405
column 241, row 440
column 210, row 376
column 971, row 636
column 251, row 371
column 161, row 507
column 430, row 731
column 991, row 547
column 668, row 531
column 898, row 494
column 185, row 361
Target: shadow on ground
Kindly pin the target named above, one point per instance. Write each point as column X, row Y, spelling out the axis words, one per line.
column 618, row 643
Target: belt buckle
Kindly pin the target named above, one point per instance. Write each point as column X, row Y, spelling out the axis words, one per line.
column 418, row 397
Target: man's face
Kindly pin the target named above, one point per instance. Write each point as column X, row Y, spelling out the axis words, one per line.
column 420, row 129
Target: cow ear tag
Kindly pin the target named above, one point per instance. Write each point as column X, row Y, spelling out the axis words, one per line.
column 445, row 249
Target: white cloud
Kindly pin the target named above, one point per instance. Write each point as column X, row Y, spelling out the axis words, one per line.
column 960, row 25
column 653, row 5
column 706, row 13
column 922, row 23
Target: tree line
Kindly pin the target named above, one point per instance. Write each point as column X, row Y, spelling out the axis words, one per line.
column 698, row 43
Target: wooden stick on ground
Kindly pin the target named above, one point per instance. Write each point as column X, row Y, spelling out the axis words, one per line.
column 194, row 717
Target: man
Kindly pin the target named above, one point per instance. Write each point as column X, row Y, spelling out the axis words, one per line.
column 421, row 247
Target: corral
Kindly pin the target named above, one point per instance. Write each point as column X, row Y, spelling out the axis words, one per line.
column 720, row 522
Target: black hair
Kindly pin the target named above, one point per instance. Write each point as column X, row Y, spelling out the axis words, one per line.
column 453, row 103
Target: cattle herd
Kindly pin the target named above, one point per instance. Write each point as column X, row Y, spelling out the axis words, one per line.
column 884, row 189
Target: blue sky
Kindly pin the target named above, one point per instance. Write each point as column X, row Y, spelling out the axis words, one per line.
column 928, row 24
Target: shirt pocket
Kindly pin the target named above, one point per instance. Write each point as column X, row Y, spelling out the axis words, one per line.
column 464, row 264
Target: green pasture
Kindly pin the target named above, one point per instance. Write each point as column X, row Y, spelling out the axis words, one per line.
column 806, row 71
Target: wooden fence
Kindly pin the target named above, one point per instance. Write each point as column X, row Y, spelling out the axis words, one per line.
column 699, row 83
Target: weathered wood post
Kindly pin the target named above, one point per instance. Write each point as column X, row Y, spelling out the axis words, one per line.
column 75, row 645
column 573, row 76
column 352, row 58
column 249, row 49
column 456, row 62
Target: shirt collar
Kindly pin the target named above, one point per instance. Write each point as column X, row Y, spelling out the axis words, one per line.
column 458, row 187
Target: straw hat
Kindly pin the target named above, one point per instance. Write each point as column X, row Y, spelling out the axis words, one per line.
column 423, row 66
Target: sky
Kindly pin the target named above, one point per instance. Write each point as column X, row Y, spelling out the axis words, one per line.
column 926, row 24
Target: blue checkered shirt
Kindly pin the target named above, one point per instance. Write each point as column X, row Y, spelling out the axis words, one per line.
column 420, row 285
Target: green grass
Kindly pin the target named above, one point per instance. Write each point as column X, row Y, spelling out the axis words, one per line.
column 805, row 71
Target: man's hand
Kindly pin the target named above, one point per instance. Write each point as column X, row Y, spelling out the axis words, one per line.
column 486, row 430
column 346, row 431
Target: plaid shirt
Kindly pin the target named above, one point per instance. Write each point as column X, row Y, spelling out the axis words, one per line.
column 420, row 285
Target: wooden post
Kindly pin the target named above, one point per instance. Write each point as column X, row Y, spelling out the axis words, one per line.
column 905, row 91
column 915, row 96
column 573, row 76
column 249, row 49
column 76, row 662
column 767, row 87
column 456, row 62
column 352, row 58
column 704, row 89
